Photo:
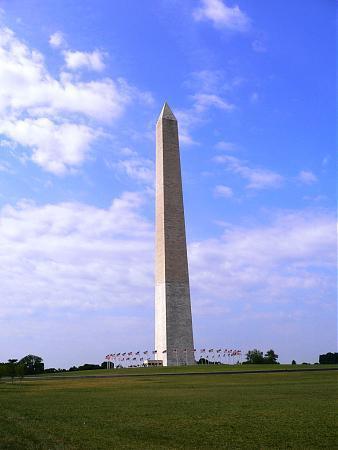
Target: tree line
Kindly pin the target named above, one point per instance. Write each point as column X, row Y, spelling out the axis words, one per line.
column 34, row 365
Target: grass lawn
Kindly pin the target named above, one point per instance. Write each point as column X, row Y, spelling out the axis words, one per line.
column 195, row 368
column 257, row 411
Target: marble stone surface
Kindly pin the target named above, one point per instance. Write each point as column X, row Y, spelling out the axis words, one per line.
column 173, row 320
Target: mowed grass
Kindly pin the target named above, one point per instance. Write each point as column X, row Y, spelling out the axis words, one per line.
column 195, row 368
column 257, row 411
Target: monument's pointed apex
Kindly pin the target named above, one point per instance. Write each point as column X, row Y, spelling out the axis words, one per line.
column 166, row 113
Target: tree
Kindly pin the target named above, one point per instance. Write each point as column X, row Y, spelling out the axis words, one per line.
column 10, row 366
column 89, row 367
column 254, row 357
column 19, row 370
column 33, row 364
column 328, row 358
column 293, row 362
column 270, row 357
column 2, row 370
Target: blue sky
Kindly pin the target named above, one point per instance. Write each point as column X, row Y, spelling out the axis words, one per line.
column 81, row 86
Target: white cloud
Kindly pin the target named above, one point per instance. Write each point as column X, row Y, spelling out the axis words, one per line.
column 204, row 101
column 73, row 258
column 57, row 39
column 58, row 110
column 77, row 60
column 226, row 146
column 258, row 178
column 189, row 118
column 222, row 16
column 307, row 177
column 223, row 191
column 75, row 255
column 80, row 256
column 204, row 80
column 134, row 166
column 285, row 260
column 68, row 263
column 55, row 147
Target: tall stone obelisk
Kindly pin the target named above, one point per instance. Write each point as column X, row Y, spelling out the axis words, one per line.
column 173, row 322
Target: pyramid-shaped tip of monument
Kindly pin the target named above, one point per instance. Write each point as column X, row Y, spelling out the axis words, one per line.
column 166, row 113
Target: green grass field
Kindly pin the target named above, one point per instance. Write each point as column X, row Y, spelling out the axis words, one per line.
column 196, row 368
column 256, row 411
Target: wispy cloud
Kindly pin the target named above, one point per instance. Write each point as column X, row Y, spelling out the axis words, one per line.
column 191, row 117
column 75, row 255
column 57, row 119
column 257, row 178
column 55, row 147
column 223, row 191
column 307, row 177
column 204, row 101
column 57, row 40
column 134, row 166
column 226, row 146
column 76, row 60
column 222, row 16
column 290, row 260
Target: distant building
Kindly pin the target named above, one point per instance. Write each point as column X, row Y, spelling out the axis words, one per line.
column 153, row 362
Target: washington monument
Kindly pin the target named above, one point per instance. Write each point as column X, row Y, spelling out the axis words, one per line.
column 173, row 322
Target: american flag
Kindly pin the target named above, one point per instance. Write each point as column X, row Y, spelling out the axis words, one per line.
column 137, row 353
column 211, row 350
column 123, row 354
column 202, row 350
column 146, row 352
column 130, row 353
column 164, row 351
